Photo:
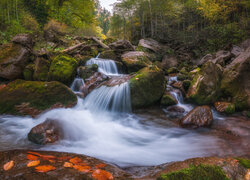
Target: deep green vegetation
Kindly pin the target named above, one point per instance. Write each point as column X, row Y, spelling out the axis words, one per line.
column 244, row 162
column 201, row 172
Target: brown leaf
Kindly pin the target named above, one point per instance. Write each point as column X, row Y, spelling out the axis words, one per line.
column 64, row 158
column 33, row 163
column 84, row 169
column 8, row 165
column 31, row 157
column 99, row 166
column 45, row 168
column 75, row 160
column 48, row 157
column 52, row 161
column 100, row 174
column 67, row 164
column 34, row 153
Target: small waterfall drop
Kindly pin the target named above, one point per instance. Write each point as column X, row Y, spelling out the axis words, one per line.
column 77, row 84
column 105, row 66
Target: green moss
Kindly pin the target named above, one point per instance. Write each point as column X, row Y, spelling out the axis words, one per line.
column 201, row 172
column 168, row 100
column 230, row 109
column 172, row 70
column 182, row 77
column 28, row 72
column 86, row 72
column 39, row 95
column 41, row 69
column 186, row 84
column 136, row 63
column 248, row 114
column 63, row 69
column 110, row 54
column 244, row 162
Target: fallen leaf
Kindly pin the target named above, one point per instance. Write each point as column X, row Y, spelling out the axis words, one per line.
column 31, row 157
column 64, row 158
column 100, row 174
column 84, row 169
column 45, row 168
column 52, row 161
column 82, row 164
column 34, row 153
column 99, row 166
column 33, row 163
column 75, row 160
column 67, row 164
column 8, row 165
column 48, row 157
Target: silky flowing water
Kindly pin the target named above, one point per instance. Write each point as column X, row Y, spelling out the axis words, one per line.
column 103, row 126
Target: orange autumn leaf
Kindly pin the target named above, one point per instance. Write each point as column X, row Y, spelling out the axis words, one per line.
column 75, row 160
column 82, row 164
column 45, row 168
column 34, row 153
column 67, row 164
column 33, row 163
column 31, row 157
column 64, row 158
column 8, row 165
column 100, row 174
column 48, row 157
column 52, row 161
column 84, row 169
column 99, row 166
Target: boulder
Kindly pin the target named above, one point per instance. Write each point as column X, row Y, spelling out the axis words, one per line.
column 122, row 45
column 236, row 51
column 135, row 60
column 108, row 54
column 25, row 40
column 224, row 107
column 41, row 70
column 169, row 62
column 200, row 116
column 147, row 87
column 86, row 72
column 63, row 69
column 222, row 57
column 168, row 99
column 47, row 132
column 33, row 97
column 245, row 44
column 13, row 59
column 205, row 87
column 236, row 82
column 208, row 57
column 150, row 45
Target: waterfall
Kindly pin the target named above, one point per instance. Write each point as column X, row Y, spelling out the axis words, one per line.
column 77, row 84
column 105, row 66
column 114, row 99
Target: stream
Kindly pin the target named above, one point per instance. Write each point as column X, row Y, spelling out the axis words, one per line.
column 103, row 126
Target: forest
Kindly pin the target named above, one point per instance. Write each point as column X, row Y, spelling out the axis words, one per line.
column 125, row 89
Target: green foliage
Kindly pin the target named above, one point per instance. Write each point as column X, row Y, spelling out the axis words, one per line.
column 244, row 162
column 201, row 172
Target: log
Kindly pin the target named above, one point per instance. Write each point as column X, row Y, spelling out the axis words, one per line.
column 72, row 48
column 100, row 43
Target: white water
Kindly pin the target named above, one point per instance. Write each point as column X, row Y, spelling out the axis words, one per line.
column 77, row 84
column 105, row 66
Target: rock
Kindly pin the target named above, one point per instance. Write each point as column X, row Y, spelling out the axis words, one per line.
column 176, row 109
column 205, row 87
column 201, row 116
column 108, row 54
column 135, row 60
column 147, row 87
column 245, row 44
column 172, row 70
column 169, row 62
column 236, row 82
column 28, row 72
column 13, row 59
column 208, row 57
column 150, row 45
column 236, row 51
column 82, row 59
column 47, row 132
column 41, row 70
column 86, row 72
column 25, row 40
column 33, row 97
column 57, row 160
column 222, row 57
column 224, row 107
column 168, row 99
column 178, row 85
column 62, row 69
column 122, row 45
column 186, row 84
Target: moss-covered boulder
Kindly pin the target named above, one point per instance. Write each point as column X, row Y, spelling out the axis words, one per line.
column 236, row 82
column 205, row 87
column 108, row 54
column 135, row 60
column 62, row 69
column 86, row 72
column 33, row 97
column 168, row 100
column 13, row 59
column 147, row 87
column 224, row 107
column 41, row 71
column 28, row 72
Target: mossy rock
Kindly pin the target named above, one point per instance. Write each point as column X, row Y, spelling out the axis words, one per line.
column 36, row 94
column 82, row 59
column 201, row 172
column 186, row 84
column 108, row 54
column 205, row 87
column 147, row 87
column 63, row 69
column 168, row 100
column 86, row 72
column 28, row 72
column 182, row 77
column 41, row 69
column 135, row 60
column 244, row 162
column 172, row 70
